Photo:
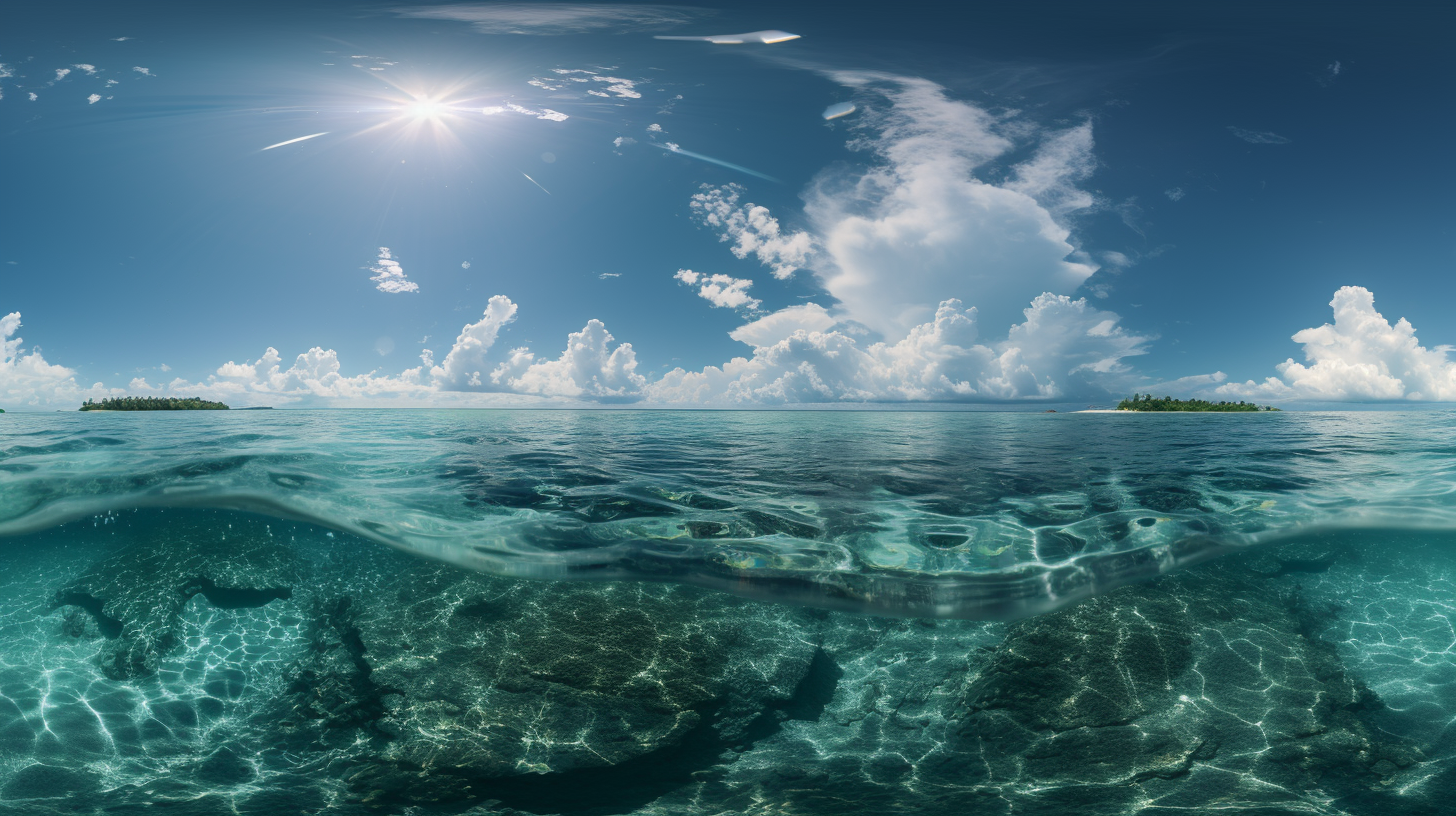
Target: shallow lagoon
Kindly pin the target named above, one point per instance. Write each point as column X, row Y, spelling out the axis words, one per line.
column 230, row 613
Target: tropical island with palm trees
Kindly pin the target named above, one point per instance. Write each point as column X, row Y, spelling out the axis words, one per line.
column 1148, row 402
column 153, row 404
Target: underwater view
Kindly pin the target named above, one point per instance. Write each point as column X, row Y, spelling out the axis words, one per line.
column 727, row 612
column 692, row 408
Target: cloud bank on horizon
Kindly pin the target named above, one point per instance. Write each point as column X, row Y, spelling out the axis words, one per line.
column 1064, row 348
column 1361, row 357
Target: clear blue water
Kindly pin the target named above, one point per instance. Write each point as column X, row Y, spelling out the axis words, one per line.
column 973, row 515
column 665, row 612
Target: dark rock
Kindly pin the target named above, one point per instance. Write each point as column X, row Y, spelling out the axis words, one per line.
column 1175, row 685
column 135, row 597
column 332, row 684
column 1203, row 687
column 463, row 679
column 1103, row 663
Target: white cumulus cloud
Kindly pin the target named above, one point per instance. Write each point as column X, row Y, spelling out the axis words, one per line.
column 751, row 229
column 775, row 327
column 389, row 275
column 720, row 290
column 27, row 379
column 920, row 225
column 1064, row 348
column 622, row 88
column 315, row 377
column 468, row 364
column 589, row 368
column 1360, row 357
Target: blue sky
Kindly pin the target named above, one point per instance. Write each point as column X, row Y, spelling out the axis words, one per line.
column 1130, row 196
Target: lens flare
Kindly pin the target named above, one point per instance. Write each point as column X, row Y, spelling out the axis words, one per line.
column 425, row 108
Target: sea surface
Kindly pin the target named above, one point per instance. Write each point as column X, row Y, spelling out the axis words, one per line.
column 713, row 612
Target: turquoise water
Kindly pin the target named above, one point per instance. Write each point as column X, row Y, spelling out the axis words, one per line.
column 968, row 515
column 724, row 612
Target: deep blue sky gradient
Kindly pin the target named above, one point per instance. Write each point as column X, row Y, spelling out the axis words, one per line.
column 148, row 229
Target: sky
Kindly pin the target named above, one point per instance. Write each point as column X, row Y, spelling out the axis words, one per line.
column 341, row 204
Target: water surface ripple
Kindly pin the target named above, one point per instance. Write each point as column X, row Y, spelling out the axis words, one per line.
column 966, row 515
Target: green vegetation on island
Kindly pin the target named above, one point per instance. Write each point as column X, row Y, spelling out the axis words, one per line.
column 153, row 404
column 1148, row 402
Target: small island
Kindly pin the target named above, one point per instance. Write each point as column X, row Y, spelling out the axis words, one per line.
column 1148, row 402
column 153, row 404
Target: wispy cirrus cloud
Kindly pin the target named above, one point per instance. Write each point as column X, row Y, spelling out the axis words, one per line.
column 1258, row 136
column 511, row 107
column 555, row 19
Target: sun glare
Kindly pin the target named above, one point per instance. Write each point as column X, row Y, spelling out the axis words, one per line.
column 411, row 116
column 425, row 108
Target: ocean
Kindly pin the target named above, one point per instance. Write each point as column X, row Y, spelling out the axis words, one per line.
column 718, row 612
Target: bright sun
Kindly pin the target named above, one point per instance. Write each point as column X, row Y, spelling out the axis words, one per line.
column 425, row 108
